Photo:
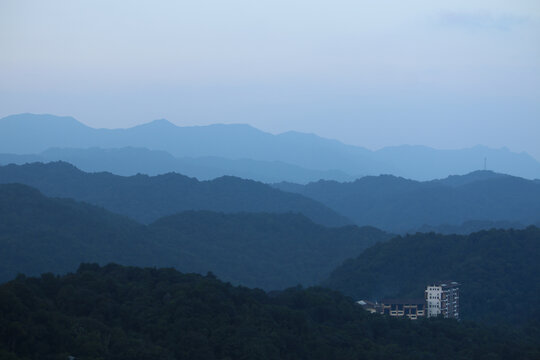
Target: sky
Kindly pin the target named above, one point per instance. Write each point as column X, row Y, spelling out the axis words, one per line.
column 445, row 74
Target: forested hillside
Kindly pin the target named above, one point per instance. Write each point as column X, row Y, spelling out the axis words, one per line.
column 38, row 234
column 499, row 272
column 401, row 205
column 271, row 251
column 261, row 250
column 114, row 312
column 147, row 198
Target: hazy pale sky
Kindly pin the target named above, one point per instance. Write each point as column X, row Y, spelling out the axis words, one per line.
column 446, row 74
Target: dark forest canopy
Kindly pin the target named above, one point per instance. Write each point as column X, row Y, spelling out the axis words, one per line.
column 119, row 313
column 147, row 198
column 400, row 205
column 271, row 251
column 499, row 272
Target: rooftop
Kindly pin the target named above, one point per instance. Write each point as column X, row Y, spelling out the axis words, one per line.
column 403, row 301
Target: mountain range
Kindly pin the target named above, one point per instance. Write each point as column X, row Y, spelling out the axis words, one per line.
column 274, row 251
column 401, row 205
column 460, row 204
column 32, row 134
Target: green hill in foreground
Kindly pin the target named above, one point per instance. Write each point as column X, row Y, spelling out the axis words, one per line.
column 115, row 312
column 499, row 272
column 270, row 251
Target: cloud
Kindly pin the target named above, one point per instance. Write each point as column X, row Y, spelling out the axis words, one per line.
column 481, row 20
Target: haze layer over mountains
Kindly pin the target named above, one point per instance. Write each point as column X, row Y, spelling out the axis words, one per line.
column 207, row 152
column 59, row 208
column 333, row 180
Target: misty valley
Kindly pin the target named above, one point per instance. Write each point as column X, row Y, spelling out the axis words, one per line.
column 225, row 242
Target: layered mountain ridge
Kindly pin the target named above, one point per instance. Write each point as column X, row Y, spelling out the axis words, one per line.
column 147, row 198
column 33, row 134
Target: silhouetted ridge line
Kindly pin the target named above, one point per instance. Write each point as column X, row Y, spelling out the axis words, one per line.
column 146, row 198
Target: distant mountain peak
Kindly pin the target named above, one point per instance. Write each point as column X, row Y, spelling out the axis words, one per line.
column 159, row 123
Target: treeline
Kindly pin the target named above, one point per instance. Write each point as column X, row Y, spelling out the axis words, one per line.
column 499, row 272
column 115, row 312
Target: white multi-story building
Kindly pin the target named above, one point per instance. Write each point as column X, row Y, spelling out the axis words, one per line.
column 443, row 299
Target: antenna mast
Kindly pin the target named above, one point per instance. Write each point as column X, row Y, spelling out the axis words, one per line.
column 485, row 163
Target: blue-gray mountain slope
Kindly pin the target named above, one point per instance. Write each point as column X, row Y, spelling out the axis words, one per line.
column 147, row 198
column 400, row 205
column 271, row 251
column 32, row 134
column 131, row 161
